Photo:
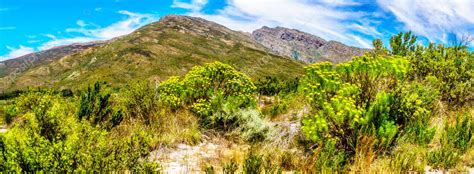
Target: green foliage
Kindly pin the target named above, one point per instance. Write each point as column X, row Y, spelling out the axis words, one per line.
column 171, row 92
column 455, row 141
column 460, row 135
column 49, row 138
column 223, row 98
column 408, row 158
column 379, row 116
column 139, row 100
column 451, row 68
column 204, row 82
column 253, row 164
column 412, row 108
column 95, row 106
column 273, row 85
column 379, row 49
column 10, row 112
column 230, row 167
column 209, row 170
column 329, row 158
column 444, row 157
column 345, row 99
column 402, row 43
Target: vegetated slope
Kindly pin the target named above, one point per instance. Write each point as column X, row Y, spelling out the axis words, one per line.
column 157, row 51
column 17, row 65
column 304, row 46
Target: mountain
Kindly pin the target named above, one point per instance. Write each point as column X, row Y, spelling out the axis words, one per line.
column 304, row 46
column 169, row 47
column 23, row 63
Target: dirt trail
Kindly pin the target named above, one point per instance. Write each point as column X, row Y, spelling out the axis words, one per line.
column 193, row 159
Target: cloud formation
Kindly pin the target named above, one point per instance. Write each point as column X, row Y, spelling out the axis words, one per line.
column 17, row 52
column 194, row 5
column 330, row 19
column 132, row 22
column 434, row 20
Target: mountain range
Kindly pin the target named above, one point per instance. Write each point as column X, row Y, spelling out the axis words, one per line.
column 169, row 47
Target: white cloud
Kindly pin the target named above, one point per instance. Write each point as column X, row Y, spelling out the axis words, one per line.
column 81, row 23
column 329, row 19
column 433, row 19
column 194, row 5
column 65, row 41
column 132, row 22
column 16, row 52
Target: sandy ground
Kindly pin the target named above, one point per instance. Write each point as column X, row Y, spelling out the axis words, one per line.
column 3, row 128
column 193, row 159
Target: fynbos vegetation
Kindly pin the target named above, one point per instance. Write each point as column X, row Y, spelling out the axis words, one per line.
column 401, row 108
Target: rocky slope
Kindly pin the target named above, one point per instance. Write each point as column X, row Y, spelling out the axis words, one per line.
column 304, row 46
column 11, row 69
column 171, row 46
column 20, row 64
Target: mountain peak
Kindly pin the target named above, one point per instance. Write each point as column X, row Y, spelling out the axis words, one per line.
column 303, row 46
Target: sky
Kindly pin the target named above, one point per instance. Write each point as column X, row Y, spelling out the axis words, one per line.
column 34, row 25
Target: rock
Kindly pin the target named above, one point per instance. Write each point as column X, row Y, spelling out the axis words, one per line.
column 304, row 46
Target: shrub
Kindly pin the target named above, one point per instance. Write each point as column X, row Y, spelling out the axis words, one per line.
column 171, row 92
column 460, row 135
column 353, row 98
column 49, row 138
column 230, row 167
column 96, row 107
column 270, row 85
column 253, row 164
column 139, row 100
column 444, row 157
column 203, row 82
column 10, row 112
column 220, row 96
column 329, row 158
column 451, row 66
column 456, row 139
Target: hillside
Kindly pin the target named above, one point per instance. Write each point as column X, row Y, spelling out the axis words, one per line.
column 171, row 46
column 304, row 46
column 12, row 67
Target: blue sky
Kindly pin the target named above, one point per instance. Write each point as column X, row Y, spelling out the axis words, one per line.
column 33, row 25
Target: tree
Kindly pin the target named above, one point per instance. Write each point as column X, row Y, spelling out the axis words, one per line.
column 402, row 43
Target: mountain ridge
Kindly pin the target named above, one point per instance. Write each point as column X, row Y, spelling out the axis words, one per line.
column 304, row 46
column 170, row 46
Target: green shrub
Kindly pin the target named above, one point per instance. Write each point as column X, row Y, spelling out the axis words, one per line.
column 209, row 170
column 10, row 112
column 139, row 100
column 49, row 138
column 171, row 92
column 455, row 141
column 220, row 96
column 96, row 107
column 203, row 82
column 253, row 164
column 406, row 160
column 269, row 85
column 230, row 167
column 329, row 158
column 460, row 135
column 453, row 67
column 444, row 157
